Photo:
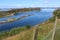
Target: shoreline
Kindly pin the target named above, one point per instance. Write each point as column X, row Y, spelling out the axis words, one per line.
column 14, row 19
column 17, row 10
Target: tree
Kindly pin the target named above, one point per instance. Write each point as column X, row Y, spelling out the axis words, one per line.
column 56, row 15
column 52, row 19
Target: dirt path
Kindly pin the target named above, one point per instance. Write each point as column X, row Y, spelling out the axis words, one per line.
column 35, row 32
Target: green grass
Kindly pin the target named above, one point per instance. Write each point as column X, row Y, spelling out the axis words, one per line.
column 28, row 35
column 12, row 32
column 43, row 30
column 24, row 35
column 57, row 34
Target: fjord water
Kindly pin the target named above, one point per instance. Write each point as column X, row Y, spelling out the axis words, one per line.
column 36, row 17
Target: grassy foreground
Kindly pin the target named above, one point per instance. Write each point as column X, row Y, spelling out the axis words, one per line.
column 11, row 32
column 57, row 33
column 24, row 35
column 44, row 32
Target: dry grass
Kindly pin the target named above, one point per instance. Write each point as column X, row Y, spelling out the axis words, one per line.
column 57, row 33
column 25, row 35
column 43, row 30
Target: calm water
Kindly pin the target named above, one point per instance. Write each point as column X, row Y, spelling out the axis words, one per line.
column 35, row 18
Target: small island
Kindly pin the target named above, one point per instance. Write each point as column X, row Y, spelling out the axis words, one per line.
column 14, row 19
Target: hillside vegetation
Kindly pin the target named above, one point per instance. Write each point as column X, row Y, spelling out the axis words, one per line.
column 24, row 35
column 14, row 31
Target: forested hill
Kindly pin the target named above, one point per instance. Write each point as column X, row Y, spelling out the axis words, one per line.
column 23, row 10
column 16, row 10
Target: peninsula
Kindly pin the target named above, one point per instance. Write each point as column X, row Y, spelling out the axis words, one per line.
column 16, row 10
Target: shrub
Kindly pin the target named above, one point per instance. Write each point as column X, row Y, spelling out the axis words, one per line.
column 28, row 26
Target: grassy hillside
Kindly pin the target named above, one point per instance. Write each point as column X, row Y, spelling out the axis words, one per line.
column 24, row 35
column 11, row 32
column 43, row 30
column 57, row 34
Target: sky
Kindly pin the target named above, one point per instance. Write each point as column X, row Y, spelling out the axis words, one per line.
column 29, row 3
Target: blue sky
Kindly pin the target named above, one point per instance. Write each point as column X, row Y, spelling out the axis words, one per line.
column 29, row 3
